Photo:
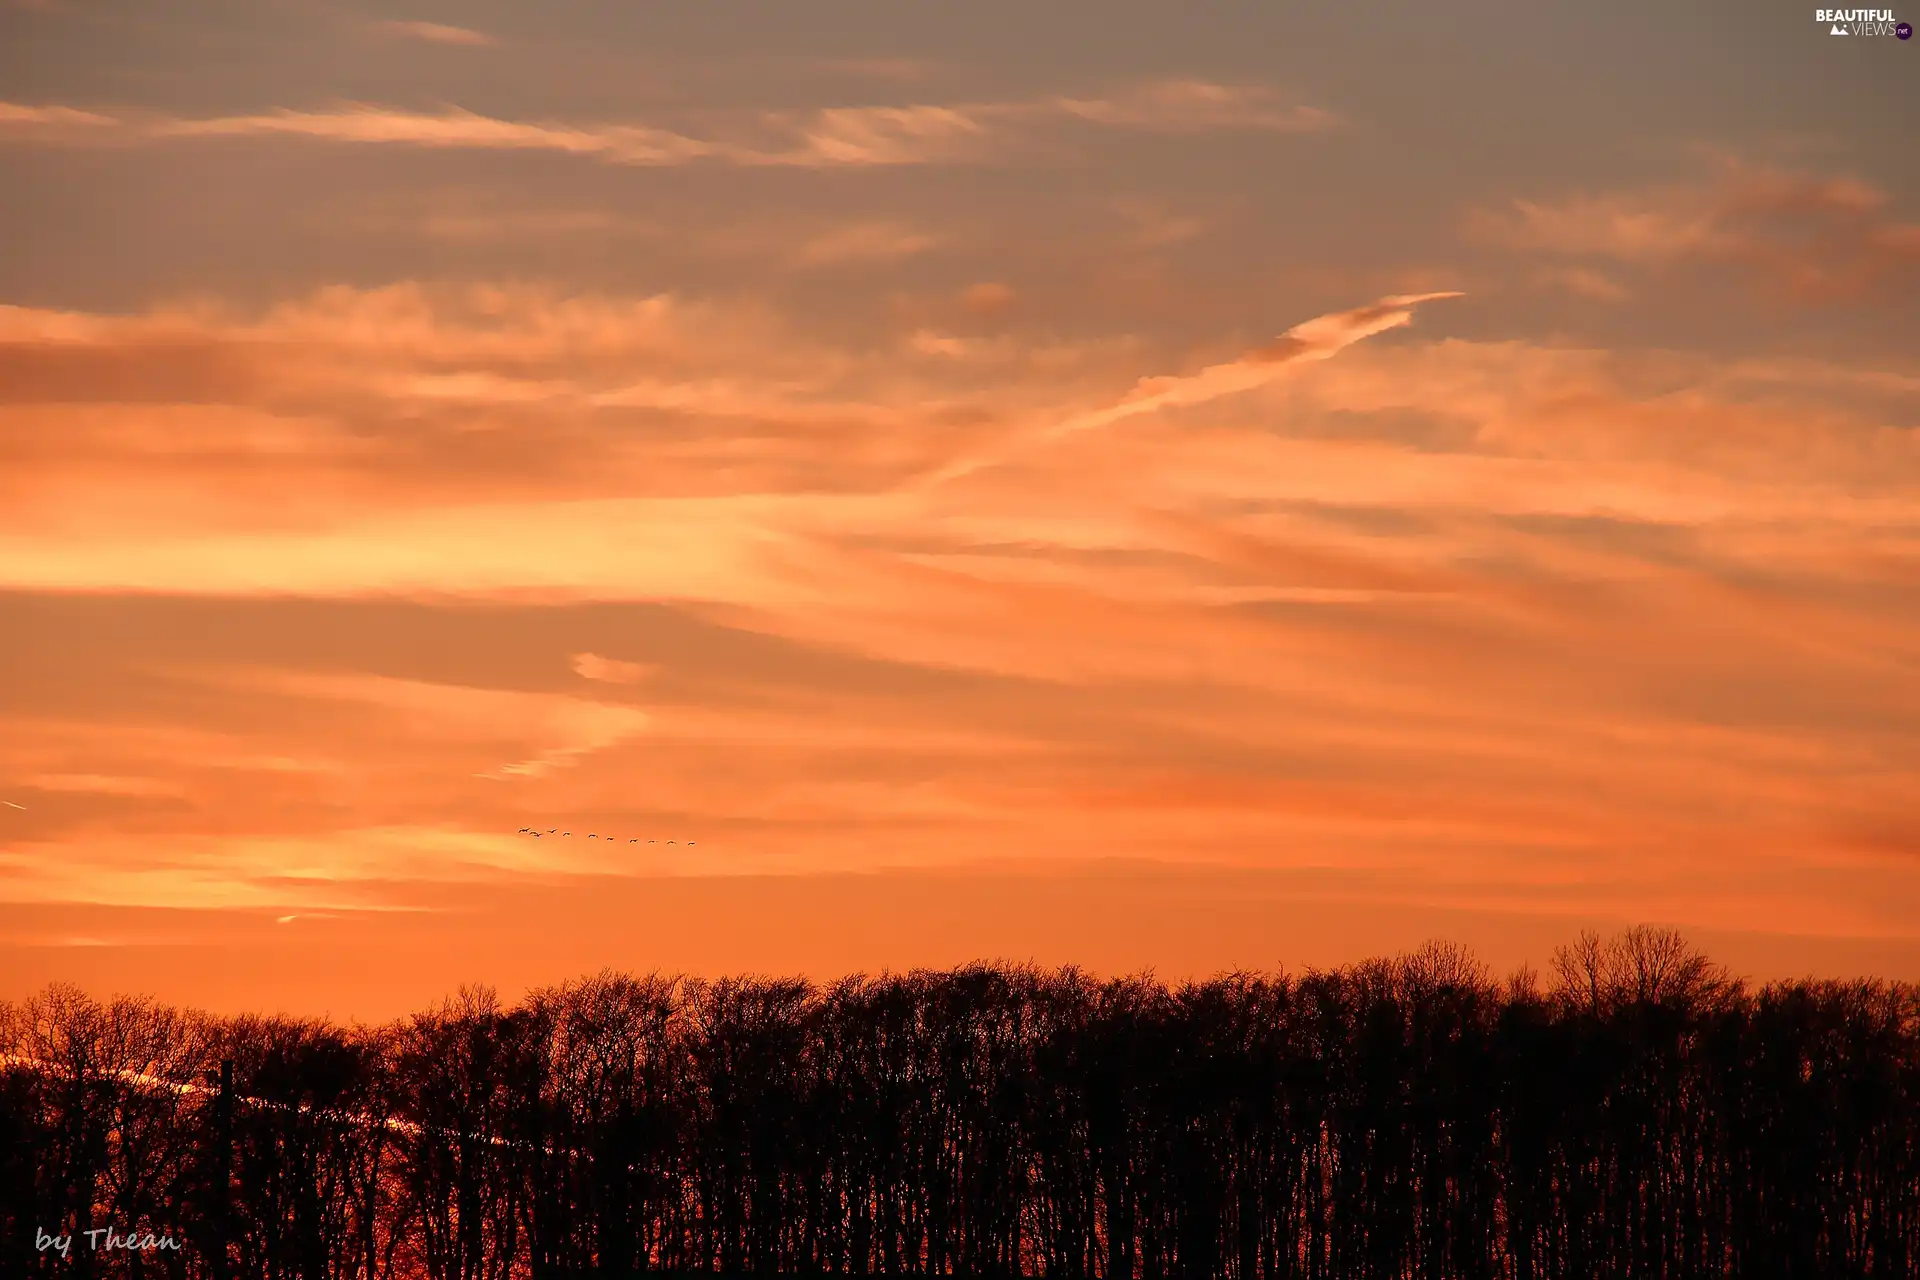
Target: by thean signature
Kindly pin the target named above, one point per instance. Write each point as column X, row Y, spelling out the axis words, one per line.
column 140, row 1241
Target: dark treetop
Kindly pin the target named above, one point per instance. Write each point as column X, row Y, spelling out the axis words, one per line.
column 1643, row 1115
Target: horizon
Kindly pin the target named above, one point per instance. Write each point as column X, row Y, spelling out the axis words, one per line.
column 216, row 966
column 890, row 489
column 1525, row 982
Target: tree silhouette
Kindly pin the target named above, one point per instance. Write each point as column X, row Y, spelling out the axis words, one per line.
column 1645, row 1114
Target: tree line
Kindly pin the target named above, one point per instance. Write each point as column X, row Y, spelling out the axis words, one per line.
column 1639, row 1113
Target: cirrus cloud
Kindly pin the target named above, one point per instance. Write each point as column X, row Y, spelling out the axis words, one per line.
column 1814, row 236
column 822, row 137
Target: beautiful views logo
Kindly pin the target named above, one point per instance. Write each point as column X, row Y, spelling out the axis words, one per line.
column 1862, row 22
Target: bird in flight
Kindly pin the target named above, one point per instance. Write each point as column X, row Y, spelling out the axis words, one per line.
column 536, row 833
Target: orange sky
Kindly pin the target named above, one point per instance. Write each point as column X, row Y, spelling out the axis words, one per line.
column 1079, row 487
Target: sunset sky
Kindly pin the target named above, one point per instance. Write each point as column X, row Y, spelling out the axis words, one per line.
column 1142, row 485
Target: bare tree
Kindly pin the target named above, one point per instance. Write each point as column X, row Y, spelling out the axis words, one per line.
column 1645, row 1115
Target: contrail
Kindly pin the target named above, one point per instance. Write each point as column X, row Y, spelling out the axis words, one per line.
column 11, row 805
column 1317, row 339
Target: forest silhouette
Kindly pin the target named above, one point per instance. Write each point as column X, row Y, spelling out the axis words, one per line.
column 1640, row 1112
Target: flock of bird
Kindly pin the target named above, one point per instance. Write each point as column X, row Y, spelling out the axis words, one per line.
column 537, row 834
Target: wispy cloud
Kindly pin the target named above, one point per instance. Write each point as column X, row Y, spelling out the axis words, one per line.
column 99, row 784
column 1473, row 614
column 861, row 136
column 1583, row 281
column 863, row 241
column 591, row 666
column 1812, row 235
column 569, row 729
column 620, row 144
column 1197, row 106
column 723, row 476
column 988, row 297
column 438, row 33
column 14, row 113
column 1153, row 227
column 332, row 872
column 828, row 137
column 54, row 125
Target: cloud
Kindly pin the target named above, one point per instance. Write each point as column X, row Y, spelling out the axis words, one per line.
column 1813, row 236
column 933, row 134
column 332, row 872
column 1152, row 227
column 1584, row 282
column 570, row 728
column 15, row 114
column 929, row 343
column 860, row 136
column 775, row 470
column 300, row 384
column 619, row 144
column 591, row 666
column 98, row 784
column 989, row 297
column 439, row 33
column 1196, row 106
column 58, row 126
column 501, row 225
column 1493, row 621
column 862, row 242
column 1627, row 228
column 827, row 137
